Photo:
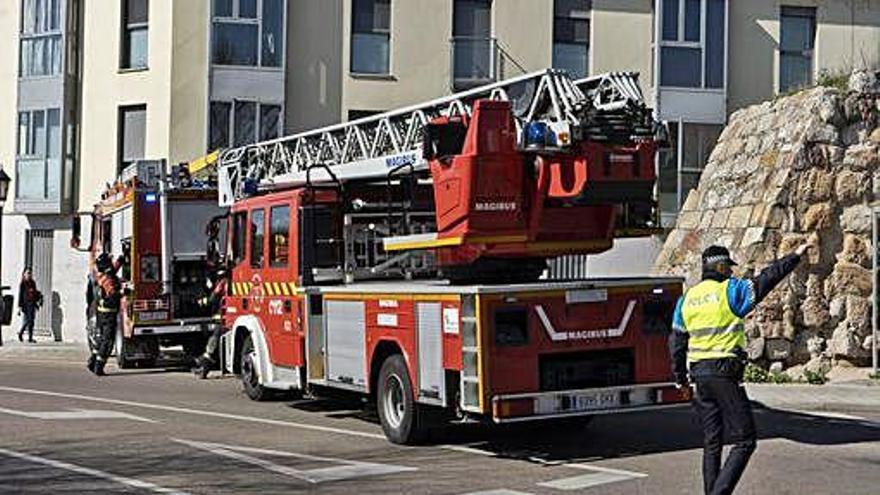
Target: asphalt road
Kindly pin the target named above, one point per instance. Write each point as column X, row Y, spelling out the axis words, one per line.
column 63, row 430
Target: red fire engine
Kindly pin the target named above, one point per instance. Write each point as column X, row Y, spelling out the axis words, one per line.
column 399, row 256
column 155, row 223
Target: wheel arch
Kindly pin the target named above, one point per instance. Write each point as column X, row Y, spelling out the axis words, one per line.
column 383, row 350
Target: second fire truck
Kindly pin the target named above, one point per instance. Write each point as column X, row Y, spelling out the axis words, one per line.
column 399, row 256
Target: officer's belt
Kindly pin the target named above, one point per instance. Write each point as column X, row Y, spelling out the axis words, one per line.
column 706, row 332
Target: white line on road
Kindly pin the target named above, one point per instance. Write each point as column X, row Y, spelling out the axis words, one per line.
column 199, row 412
column 345, row 469
column 503, row 491
column 135, row 483
column 75, row 414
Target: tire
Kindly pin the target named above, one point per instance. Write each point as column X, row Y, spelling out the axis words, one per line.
column 250, row 377
column 395, row 402
column 121, row 348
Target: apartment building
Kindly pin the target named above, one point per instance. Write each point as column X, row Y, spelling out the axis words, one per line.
column 99, row 84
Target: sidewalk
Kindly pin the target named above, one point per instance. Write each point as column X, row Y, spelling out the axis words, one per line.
column 856, row 396
column 42, row 350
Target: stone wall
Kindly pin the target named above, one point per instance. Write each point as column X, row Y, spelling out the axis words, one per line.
column 799, row 168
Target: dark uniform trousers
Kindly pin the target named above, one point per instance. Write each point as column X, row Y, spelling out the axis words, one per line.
column 723, row 407
column 106, row 325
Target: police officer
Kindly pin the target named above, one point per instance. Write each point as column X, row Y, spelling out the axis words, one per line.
column 708, row 348
column 108, row 297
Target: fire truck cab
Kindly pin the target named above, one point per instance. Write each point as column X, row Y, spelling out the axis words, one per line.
column 156, row 226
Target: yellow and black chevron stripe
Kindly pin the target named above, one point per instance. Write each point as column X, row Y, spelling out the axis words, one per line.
column 269, row 288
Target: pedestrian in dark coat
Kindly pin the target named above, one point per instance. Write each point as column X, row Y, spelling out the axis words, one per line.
column 29, row 301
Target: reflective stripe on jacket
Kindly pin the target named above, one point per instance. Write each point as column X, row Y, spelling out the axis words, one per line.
column 714, row 330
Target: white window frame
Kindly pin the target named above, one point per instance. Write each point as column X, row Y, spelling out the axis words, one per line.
column 236, row 18
column 390, row 45
column 701, row 45
column 586, row 16
column 46, row 35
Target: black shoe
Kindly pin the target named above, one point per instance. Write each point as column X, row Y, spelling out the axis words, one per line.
column 90, row 364
column 21, row 337
column 32, row 341
column 99, row 368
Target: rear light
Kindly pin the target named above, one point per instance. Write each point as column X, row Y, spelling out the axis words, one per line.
column 672, row 394
column 513, row 408
column 150, row 304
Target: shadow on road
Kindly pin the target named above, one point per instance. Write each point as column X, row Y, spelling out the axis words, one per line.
column 642, row 433
column 613, row 436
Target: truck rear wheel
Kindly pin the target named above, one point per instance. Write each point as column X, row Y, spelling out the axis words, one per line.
column 122, row 348
column 395, row 401
column 250, row 377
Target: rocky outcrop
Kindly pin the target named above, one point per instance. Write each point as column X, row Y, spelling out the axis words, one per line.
column 801, row 168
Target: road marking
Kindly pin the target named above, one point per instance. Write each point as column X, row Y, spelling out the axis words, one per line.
column 135, row 483
column 502, row 491
column 198, row 412
column 598, row 476
column 345, row 469
column 75, row 414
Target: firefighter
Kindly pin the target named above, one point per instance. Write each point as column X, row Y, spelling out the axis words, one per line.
column 214, row 300
column 708, row 348
column 108, row 297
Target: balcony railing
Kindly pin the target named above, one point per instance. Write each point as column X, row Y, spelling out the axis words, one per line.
column 475, row 61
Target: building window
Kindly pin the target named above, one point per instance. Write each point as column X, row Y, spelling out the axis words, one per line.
column 370, row 36
column 682, row 164
column 134, row 51
column 39, row 133
column 132, row 134
column 473, row 48
column 40, row 53
column 692, row 46
column 362, row 114
column 240, row 122
column 38, row 153
column 244, row 38
column 571, row 36
column 797, row 40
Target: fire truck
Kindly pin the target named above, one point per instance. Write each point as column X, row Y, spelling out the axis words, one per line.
column 400, row 256
column 155, row 224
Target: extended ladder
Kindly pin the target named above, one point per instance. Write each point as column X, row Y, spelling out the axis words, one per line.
column 370, row 147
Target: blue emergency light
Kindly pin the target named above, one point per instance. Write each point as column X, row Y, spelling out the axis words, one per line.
column 151, row 197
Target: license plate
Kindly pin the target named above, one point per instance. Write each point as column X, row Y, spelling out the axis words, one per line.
column 596, row 400
column 152, row 316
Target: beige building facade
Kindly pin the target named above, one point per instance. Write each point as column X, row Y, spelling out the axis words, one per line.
column 99, row 84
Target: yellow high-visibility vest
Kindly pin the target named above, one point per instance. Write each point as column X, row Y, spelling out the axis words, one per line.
column 714, row 331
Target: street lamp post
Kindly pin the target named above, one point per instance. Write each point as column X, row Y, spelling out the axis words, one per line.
column 4, row 191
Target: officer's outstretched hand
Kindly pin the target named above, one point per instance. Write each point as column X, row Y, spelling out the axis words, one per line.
column 802, row 249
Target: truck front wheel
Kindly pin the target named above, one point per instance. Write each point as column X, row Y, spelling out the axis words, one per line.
column 395, row 401
column 250, row 377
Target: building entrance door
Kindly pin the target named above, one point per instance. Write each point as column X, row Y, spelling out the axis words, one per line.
column 38, row 256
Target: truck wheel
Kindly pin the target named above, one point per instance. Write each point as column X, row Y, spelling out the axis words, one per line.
column 250, row 377
column 398, row 410
column 122, row 348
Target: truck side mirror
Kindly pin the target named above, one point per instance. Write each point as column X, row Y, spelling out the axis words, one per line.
column 76, row 227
